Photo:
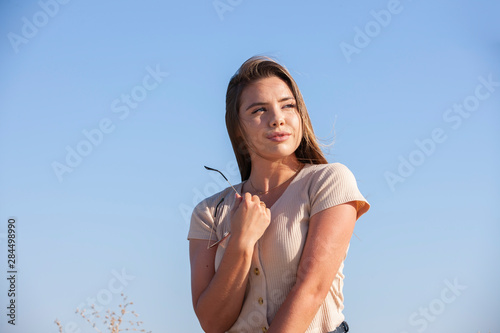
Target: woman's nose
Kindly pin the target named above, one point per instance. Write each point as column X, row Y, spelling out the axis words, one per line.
column 277, row 117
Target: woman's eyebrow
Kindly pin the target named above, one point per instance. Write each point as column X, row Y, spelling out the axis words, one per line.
column 262, row 103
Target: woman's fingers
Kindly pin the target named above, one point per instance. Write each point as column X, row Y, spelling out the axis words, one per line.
column 250, row 217
column 237, row 201
column 256, row 200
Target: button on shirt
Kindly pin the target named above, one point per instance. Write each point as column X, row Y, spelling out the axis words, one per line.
column 276, row 255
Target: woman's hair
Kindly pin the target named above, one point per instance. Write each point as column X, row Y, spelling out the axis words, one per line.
column 253, row 69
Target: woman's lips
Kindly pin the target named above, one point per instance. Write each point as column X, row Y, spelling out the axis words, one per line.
column 279, row 137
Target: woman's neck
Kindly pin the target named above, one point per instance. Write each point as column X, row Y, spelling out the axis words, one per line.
column 267, row 175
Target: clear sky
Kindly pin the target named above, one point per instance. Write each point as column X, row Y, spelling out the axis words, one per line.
column 109, row 110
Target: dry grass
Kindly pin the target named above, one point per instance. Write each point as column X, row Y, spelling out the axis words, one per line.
column 113, row 322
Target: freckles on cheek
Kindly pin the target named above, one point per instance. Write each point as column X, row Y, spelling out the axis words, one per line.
column 254, row 124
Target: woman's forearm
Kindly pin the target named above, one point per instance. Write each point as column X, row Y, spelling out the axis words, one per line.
column 298, row 310
column 220, row 303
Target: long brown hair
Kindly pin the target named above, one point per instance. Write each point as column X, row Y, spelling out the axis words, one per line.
column 255, row 68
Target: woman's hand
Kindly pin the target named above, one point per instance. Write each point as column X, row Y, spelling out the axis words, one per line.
column 249, row 219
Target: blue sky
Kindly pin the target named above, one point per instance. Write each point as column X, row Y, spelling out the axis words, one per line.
column 408, row 90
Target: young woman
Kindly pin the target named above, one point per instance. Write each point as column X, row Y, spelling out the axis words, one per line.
column 271, row 259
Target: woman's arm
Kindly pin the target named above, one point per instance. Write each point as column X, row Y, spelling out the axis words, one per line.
column 218, row 297
column 327, row 240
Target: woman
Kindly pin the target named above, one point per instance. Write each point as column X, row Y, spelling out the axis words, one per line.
column 271, row 259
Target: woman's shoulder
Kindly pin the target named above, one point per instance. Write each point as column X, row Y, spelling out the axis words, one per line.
column 212, row 201
column 203, row 215
column 333, row 184
column 321, row 171
column 335, row 175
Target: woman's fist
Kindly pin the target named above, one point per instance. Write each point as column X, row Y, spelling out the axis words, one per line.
column 249, row 219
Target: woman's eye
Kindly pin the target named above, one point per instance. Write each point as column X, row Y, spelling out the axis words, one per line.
column 290, row 105
column 257, row 110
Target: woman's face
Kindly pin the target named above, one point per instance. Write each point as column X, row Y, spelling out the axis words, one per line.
column 270, row 120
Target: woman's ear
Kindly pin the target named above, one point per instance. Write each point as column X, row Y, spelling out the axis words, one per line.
column 242, row 148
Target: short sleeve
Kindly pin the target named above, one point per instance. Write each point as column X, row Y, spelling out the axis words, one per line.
column 201, row 222
column 334, row 185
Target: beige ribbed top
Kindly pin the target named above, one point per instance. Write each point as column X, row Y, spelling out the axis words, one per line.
column 277, row 254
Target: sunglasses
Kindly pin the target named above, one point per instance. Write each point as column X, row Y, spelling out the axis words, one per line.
column 216, row 215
